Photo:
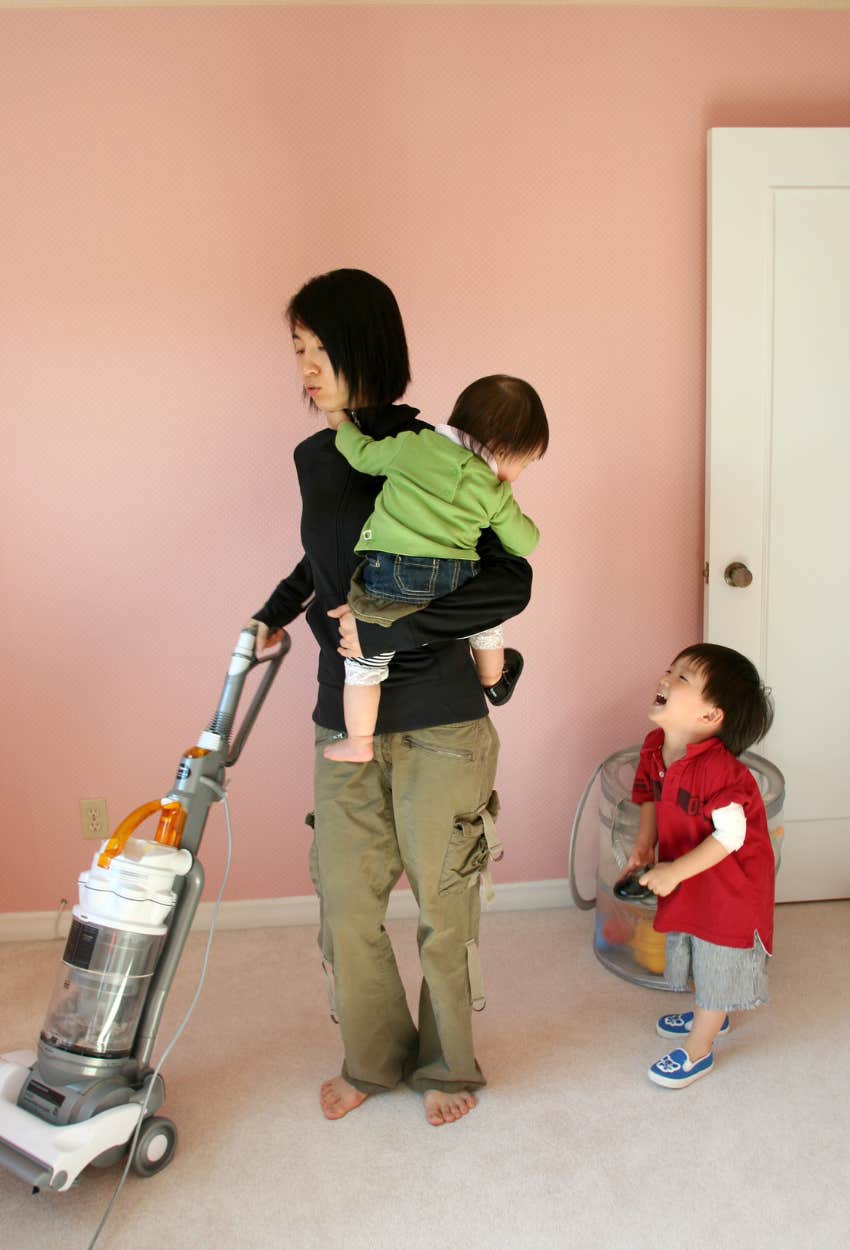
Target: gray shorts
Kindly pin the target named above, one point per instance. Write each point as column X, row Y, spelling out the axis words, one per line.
column 726, row 978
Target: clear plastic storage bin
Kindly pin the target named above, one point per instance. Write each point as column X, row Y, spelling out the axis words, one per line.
column 624, row 939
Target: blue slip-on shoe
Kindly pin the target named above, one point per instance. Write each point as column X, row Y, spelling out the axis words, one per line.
column 676, row 1070
column 679, row 1025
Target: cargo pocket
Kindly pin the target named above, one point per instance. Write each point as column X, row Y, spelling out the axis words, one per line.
column 438, row 748
column 472, row 845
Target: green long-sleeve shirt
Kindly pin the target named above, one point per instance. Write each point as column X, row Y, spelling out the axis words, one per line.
column 437, row 497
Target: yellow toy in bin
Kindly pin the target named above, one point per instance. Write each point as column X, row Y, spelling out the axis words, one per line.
column 648, row 947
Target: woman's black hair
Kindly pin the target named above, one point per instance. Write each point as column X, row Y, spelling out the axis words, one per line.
column 504, row 414
column 732, row 684
column 357, row 320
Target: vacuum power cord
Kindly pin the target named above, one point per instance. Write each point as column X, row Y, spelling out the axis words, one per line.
column 220, row 794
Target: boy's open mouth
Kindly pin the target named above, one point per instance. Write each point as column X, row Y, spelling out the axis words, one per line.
column 660, row 699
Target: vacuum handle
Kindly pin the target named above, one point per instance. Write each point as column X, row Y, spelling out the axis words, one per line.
column 273, row 662
column 129, row 825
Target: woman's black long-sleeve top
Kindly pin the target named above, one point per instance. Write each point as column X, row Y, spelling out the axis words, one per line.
column 432, row 679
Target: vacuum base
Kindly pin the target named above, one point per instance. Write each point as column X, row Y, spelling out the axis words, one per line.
column 50, row 1156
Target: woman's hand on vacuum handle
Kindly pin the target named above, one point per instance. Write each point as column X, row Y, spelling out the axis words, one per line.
column 268, row 642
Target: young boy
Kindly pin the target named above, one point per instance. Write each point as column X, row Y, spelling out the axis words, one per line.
column 714, row 878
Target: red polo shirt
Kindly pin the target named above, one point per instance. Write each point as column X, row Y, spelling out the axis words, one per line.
column 732, row 901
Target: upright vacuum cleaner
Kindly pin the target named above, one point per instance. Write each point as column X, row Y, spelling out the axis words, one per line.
column 78, row 1101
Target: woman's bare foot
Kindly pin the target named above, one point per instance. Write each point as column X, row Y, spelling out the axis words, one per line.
column 338, row 1098
column 444, row 1108
column 350, row 750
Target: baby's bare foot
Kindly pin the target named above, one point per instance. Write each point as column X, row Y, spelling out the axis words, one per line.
column 338, row 1098
column 444, row 1108
column 350, row 751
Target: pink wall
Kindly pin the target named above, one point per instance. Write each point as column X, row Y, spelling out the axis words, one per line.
column 531, row 183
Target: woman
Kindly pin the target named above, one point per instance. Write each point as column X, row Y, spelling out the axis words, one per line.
column 424, row 804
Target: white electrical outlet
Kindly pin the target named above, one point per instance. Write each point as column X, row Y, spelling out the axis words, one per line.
column 94, row 821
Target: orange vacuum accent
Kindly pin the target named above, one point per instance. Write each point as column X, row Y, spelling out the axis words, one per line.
column 168, row 832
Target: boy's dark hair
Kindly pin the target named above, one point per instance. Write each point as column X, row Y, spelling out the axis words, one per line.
column 357, row 320
column 732, row 684
column 504, row 414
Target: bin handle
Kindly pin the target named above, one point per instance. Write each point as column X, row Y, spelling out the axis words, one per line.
column 585, row 903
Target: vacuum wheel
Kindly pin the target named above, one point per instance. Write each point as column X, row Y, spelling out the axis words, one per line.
column 155, row 1146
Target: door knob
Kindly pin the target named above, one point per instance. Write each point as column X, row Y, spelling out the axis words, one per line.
column 737, row 574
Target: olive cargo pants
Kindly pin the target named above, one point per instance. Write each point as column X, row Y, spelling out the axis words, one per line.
column 422, row 806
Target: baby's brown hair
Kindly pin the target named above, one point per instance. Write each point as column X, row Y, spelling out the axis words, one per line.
column 504, row 414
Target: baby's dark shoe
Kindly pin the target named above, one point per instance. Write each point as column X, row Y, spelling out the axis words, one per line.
column 504, row 687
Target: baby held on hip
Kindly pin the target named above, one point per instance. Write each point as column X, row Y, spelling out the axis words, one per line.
column 442, row 488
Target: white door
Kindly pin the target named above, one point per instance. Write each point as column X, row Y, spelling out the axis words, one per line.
column 778, row 465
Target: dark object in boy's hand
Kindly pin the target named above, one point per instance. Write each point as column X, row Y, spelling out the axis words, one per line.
column 630, row 890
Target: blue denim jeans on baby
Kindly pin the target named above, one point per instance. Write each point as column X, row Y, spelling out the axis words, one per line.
column 413, row 579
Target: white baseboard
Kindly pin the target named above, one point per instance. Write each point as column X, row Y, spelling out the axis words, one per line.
column 267, row 913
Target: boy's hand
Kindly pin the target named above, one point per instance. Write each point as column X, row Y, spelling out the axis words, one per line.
column 662, row 879
column 349, row 642
column 641, row 857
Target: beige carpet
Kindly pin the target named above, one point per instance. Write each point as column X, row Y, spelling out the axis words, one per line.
column 571, row 1146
